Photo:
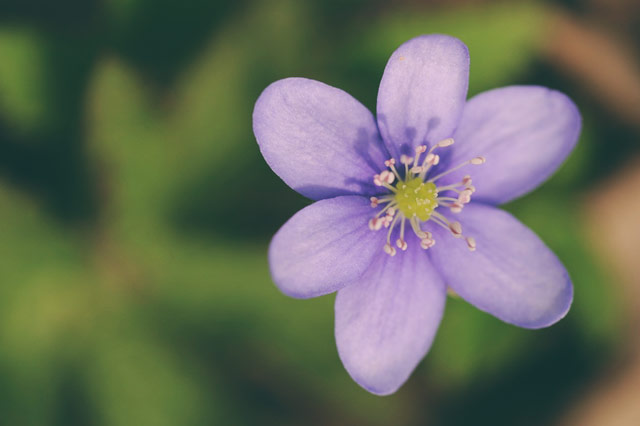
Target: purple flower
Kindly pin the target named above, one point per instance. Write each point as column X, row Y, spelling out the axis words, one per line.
column 387, row 189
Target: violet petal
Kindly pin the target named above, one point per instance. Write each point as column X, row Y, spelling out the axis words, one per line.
column 524, row 132
column 512, row 274
column 385, row 322
column 320, row 140
column 324, row 247
column 422, row 92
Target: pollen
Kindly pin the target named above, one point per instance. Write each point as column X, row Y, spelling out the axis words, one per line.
column 416, row 198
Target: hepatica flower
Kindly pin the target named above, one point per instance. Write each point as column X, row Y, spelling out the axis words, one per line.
column 405, row 203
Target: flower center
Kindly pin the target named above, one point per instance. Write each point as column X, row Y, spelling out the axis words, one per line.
column 415, row 199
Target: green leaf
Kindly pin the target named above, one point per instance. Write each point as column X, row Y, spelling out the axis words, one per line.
column 23, row 79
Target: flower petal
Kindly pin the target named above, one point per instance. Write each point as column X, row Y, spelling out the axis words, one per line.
column 512, row 274
column 318, row 139
column 422, row 92
column 524, row 132
column 324, row 247
column 385, row 322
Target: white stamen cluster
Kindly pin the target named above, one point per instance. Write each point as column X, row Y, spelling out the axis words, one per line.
column 415, row 200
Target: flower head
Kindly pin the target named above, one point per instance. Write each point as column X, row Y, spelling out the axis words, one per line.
column 387, row 189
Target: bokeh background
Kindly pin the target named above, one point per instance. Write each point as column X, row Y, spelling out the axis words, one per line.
column 136, row 210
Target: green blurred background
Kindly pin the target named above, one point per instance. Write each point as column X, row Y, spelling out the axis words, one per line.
column 136, row 210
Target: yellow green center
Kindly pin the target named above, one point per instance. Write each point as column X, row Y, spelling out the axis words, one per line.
column 415, row 197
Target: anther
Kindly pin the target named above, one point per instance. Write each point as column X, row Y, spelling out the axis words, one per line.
column 432, row 159
column 445, row 142
column 427, row 243
column 374, row 201
column 456, row 229
column 402, row 244
column 376, row 223
column 471, row 243
column 405, row 159
column 388, row 248
column 456, row 207
column 478, row 160
column 387, row 177
column 390, row 162
column 465, row 196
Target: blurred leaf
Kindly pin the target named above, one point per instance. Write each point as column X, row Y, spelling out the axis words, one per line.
column 30, row 238
column 122, row 11
column 23, row 78
column 151, row 148
column 127, row 140
column 211, row 114
column 136, row 380
column 43, row 303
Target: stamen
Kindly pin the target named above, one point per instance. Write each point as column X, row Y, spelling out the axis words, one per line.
column 391, row 164
column 388, row 218
column 452, row 203
column 393, row 222
column 427, row 243
column 416, row 228
column 419, row 151
column 474, row 161
column 437, row 217
column 375, row 223
column 402, row 244
column 471, row 243
column 455, row 208
column 454, row 187
column 387, row 207
column 388, row 248
column 456, row 229
column 432, row 159
column 416, row 200
column 465, row 196
column 389, row 187
column 387, row 177
column 444, row 143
